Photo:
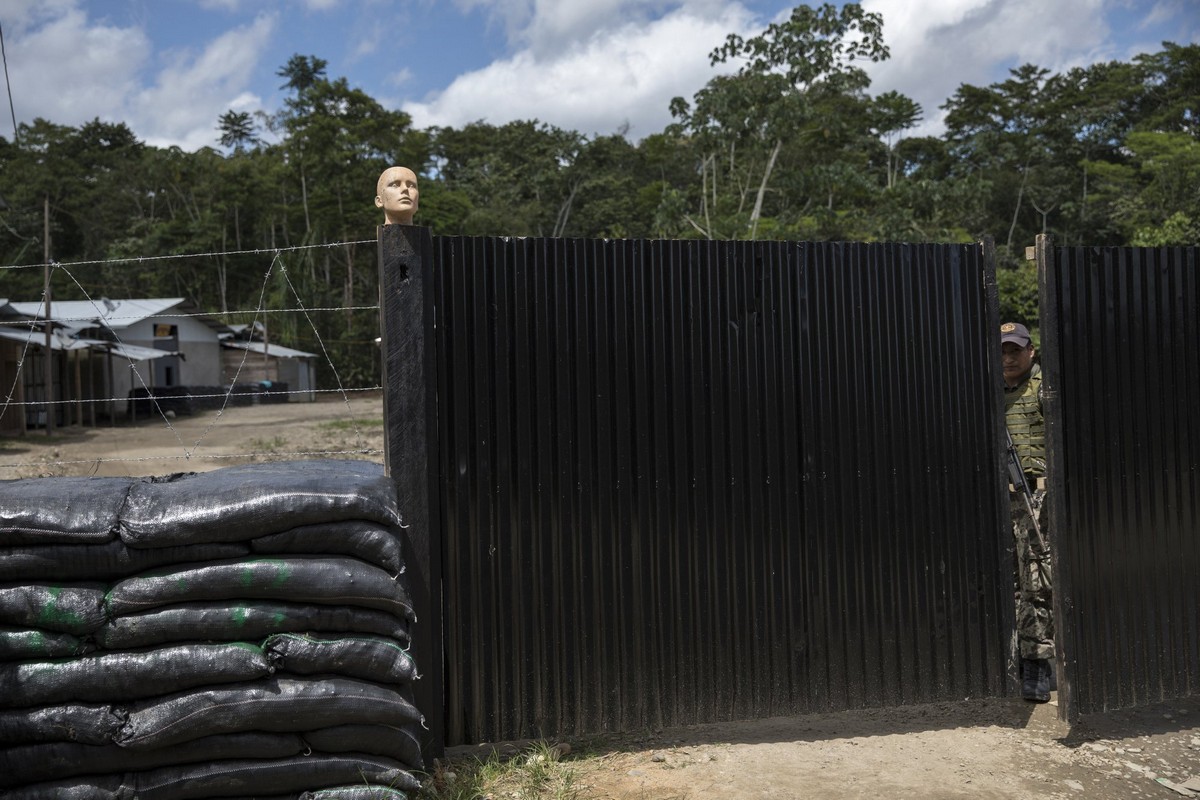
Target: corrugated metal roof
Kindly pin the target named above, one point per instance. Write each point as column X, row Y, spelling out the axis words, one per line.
column 274, row 350
column 38, row 339
column 114, row 314
column 60, row 342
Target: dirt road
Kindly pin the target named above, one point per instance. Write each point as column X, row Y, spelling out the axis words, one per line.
column 1002, row 749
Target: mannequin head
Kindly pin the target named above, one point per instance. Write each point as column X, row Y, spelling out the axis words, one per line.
column 396, row 193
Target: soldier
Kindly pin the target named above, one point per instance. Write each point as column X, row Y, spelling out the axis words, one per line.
column 1023, row 416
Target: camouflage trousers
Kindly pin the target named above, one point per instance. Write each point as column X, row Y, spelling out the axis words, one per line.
column 1034, row 584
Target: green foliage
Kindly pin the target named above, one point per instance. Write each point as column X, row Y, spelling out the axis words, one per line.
column 791, row 129
column 1018, row 288
column 352, row 424
column 790, row 145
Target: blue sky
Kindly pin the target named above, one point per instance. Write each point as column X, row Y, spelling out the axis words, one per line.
column 169, row 68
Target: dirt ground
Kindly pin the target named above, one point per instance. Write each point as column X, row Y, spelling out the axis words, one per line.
column 331, row 428
column 999, row 749
column 1002, row 749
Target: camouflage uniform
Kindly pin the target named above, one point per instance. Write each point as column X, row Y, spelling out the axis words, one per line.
column 1034, row 584
column 1035, row 616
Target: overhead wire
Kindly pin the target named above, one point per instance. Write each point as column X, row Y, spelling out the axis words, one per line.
column 277, row 267
column 11, row 108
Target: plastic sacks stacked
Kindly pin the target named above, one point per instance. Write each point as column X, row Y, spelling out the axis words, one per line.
column 241, row 632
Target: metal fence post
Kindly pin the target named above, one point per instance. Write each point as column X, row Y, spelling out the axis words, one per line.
column 406, row 314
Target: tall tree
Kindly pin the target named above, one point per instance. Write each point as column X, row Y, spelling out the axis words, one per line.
column 237, row 130
column 891, row 114
column 791, row 76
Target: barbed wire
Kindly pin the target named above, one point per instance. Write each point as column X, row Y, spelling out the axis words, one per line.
column 167, row 398
column 162, row 402
column 210, row 314
column 142, row 259
column 215, row 456
column 336, row 376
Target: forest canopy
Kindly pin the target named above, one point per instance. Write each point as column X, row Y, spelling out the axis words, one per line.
column 792, row 145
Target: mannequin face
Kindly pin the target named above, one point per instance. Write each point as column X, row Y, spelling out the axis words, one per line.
column 396, row 193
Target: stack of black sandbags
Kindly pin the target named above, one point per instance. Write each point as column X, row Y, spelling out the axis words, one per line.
column 236, row 633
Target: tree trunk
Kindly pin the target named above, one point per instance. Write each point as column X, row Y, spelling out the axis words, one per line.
column 1016, row 211
column 564, row 212
column 304, row 197
column 762, row 190
column 704, row 193
column 222, row 274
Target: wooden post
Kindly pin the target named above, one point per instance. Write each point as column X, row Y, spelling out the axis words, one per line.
column 78, row 389
column 21, row 399
column 406, row 314
column 49, row 362
column 93, row 395
column 112, row 389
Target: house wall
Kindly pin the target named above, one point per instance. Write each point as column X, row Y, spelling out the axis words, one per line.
column 298, row 373
column 241, row 366
column 200, row 365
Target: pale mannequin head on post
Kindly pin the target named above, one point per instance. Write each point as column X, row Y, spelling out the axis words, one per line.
column 396, row 193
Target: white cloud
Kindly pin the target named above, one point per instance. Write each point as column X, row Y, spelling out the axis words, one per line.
column 400, row 77
column 541, row 26
column 613, row 76
column 193, row 91
column 69, row 71
column 220, row 5
column 938, row 45
column 19, row 15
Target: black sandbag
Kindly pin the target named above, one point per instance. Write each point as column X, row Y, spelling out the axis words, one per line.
column 235, row 622
column 401, row 742
column 103, row 562
column 252, row 500
column 115, row 677
column 75, row 609
column 329, row 580
column 252, row 776
column 18, row 644
column 71, row 722
column 91, row 787
column 42, row 511
column 368, row 657
column 355, row 793
column 368, row 541
column 56, row 760
column 273, row 704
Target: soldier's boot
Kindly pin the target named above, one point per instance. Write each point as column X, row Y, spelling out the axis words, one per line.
column 1035, row 679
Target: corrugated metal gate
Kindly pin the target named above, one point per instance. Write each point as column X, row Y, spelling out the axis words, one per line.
column 1121, row 343
column 697, row 481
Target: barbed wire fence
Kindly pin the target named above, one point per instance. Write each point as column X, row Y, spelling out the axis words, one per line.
column 189, row 446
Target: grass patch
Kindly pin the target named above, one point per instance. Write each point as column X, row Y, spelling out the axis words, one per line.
column 260, row 445
column 536, row 773
column 352, row 424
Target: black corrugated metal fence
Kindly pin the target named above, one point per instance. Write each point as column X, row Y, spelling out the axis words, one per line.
column 1121, row 337
column 698, row 481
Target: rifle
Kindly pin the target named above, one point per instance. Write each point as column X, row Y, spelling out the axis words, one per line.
column 1016, row 474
